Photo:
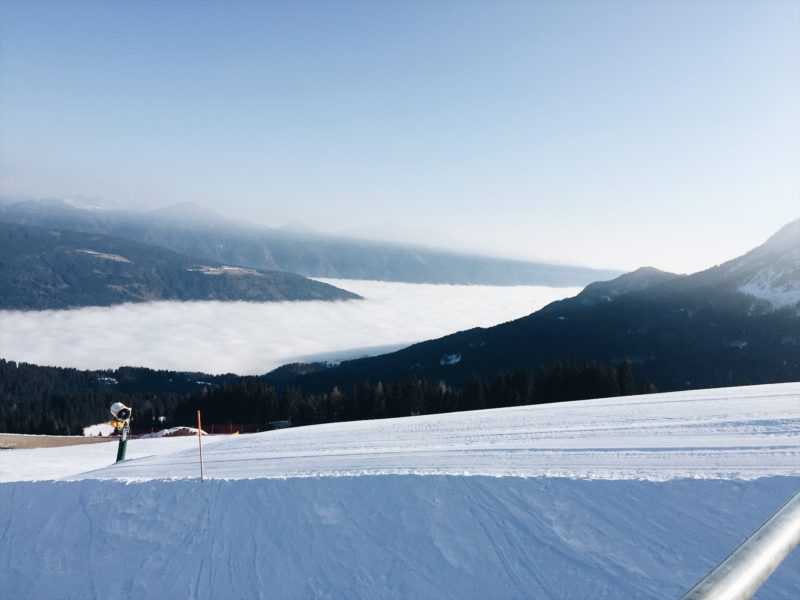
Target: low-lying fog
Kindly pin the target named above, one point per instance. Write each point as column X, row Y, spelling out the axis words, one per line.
column 253, row 338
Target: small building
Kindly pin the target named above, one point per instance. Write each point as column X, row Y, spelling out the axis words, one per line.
column 279, row 424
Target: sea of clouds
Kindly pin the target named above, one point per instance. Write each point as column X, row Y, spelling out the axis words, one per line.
column 253, row 338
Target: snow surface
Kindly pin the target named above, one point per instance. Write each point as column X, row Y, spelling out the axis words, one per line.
column 41, row 464
column 632, row 497
column 103, row 429
column 173, row 431
column 744, row 433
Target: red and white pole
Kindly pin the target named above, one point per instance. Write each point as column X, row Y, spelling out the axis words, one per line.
column 200, row 443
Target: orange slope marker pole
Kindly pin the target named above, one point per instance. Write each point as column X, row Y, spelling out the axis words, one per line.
column 200, row 443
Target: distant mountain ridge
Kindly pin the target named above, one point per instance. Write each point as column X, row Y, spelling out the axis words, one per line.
column 202, row 234
column 43, row 268
column 636, row 281
column 736, row 323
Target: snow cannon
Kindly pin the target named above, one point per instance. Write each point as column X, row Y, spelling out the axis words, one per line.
column 120, row 412
column 122, row 423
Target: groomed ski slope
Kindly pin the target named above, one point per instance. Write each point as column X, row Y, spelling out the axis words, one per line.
column 618, row 498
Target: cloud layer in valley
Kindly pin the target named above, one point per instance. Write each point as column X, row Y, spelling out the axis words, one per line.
column 253, row 338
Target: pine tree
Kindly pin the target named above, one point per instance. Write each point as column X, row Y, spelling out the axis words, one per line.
column 625, row 379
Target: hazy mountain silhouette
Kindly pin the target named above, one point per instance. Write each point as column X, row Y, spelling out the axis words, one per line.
column 201, row 233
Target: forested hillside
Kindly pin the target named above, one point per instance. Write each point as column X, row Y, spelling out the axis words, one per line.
column 54, row 400
column 54, row 268
column 735, row 324
column 50, row 400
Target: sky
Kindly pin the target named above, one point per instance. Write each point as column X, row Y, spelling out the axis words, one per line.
column 610, row 134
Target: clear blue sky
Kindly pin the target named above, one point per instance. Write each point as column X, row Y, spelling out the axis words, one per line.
column 611, row 134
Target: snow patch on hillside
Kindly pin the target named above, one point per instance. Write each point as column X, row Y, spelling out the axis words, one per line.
column 450, row 359
column 105, row 256
column 225, row 270
column 774, row 287
column 93, row 206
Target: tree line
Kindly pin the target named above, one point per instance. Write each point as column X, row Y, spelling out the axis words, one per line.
column 253, row 400
column 59, row 401
column 62, row 401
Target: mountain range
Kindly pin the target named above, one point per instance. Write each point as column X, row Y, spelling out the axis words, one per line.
column 202, row 234
column 46, row 268
column 735, row 323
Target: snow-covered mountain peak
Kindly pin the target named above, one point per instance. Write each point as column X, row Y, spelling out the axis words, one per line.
column 83, row 205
